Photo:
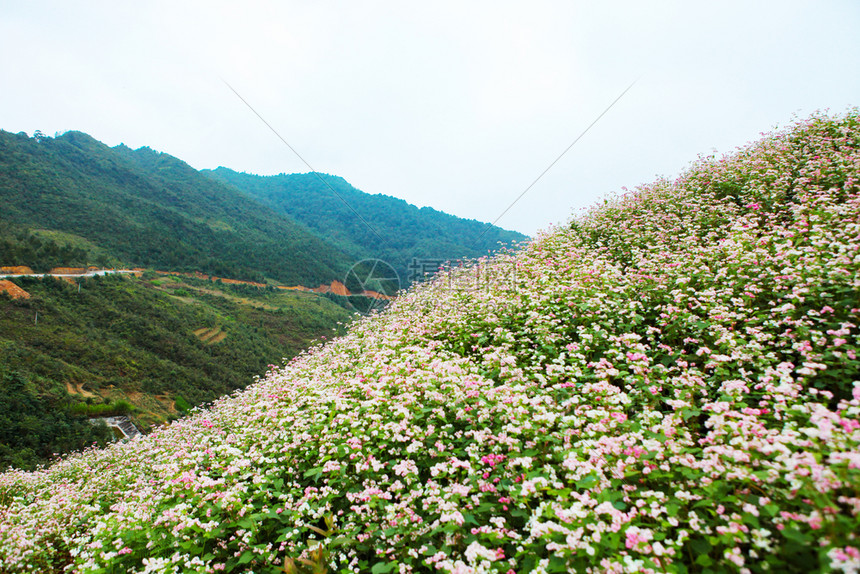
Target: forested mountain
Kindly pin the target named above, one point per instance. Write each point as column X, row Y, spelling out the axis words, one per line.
column 140, row 207
column 408, row 238
column 71, row 200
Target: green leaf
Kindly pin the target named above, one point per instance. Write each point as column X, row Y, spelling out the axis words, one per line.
column 313, row 472
column 689, row 413
column 586, row 482
column 383, row 567
column 796, row 535
column 246, row 557
column 700, row 546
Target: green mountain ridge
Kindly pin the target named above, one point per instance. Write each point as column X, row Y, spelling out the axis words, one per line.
column 149, row 209
column 152, row 210
column 411, row 240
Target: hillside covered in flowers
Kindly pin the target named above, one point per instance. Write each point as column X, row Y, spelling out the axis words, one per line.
column 669, row 383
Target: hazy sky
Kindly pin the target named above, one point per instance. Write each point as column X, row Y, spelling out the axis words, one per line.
column 455, row 105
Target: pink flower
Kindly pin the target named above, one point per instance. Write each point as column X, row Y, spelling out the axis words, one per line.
column 815, row 522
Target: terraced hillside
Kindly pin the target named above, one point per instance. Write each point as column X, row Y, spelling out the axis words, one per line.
column 160, row 343
column 668, row 384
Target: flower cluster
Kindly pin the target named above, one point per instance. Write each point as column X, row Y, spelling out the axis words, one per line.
column 670, row 383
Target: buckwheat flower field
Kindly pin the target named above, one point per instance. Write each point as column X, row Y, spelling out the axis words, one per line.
column 669, row 383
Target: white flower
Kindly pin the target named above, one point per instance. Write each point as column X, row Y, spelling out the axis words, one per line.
column 157, row 565
column 475, row 550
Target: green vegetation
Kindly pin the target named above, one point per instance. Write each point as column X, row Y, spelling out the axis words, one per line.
column 413, row 241
column 33, row 426
column 111, row 409
column 671, row 383
column 120, row 345
column 157, row 346
column 22, row 246
column 143, row 208
column 181, row 404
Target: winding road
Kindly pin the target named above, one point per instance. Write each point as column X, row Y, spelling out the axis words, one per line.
column 86, row 274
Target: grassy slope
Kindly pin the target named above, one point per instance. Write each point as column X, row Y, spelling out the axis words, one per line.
column 669, row 384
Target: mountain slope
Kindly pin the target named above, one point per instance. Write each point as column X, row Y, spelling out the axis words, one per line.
column 411, row 240
column 149, row 209
column 670, row 384
column 151, row 342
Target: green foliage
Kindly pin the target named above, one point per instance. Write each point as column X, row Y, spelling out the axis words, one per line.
column 72, row 201
column 124, row 337
column 35, row 426
column 410, row 239
column 19, row 246
column 181, row 404
column 112, row 409
column 147, row 209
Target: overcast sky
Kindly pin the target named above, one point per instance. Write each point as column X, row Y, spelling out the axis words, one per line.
column 456, row 105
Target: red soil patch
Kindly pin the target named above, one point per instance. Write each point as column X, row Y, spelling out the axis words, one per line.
column 237, row 282
column 13, row 290
column 16, row 270
column 210, row 336
column 78, row 390
column 376, row 295
column 336, row 287
column 339, row 288
column 217, row 338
